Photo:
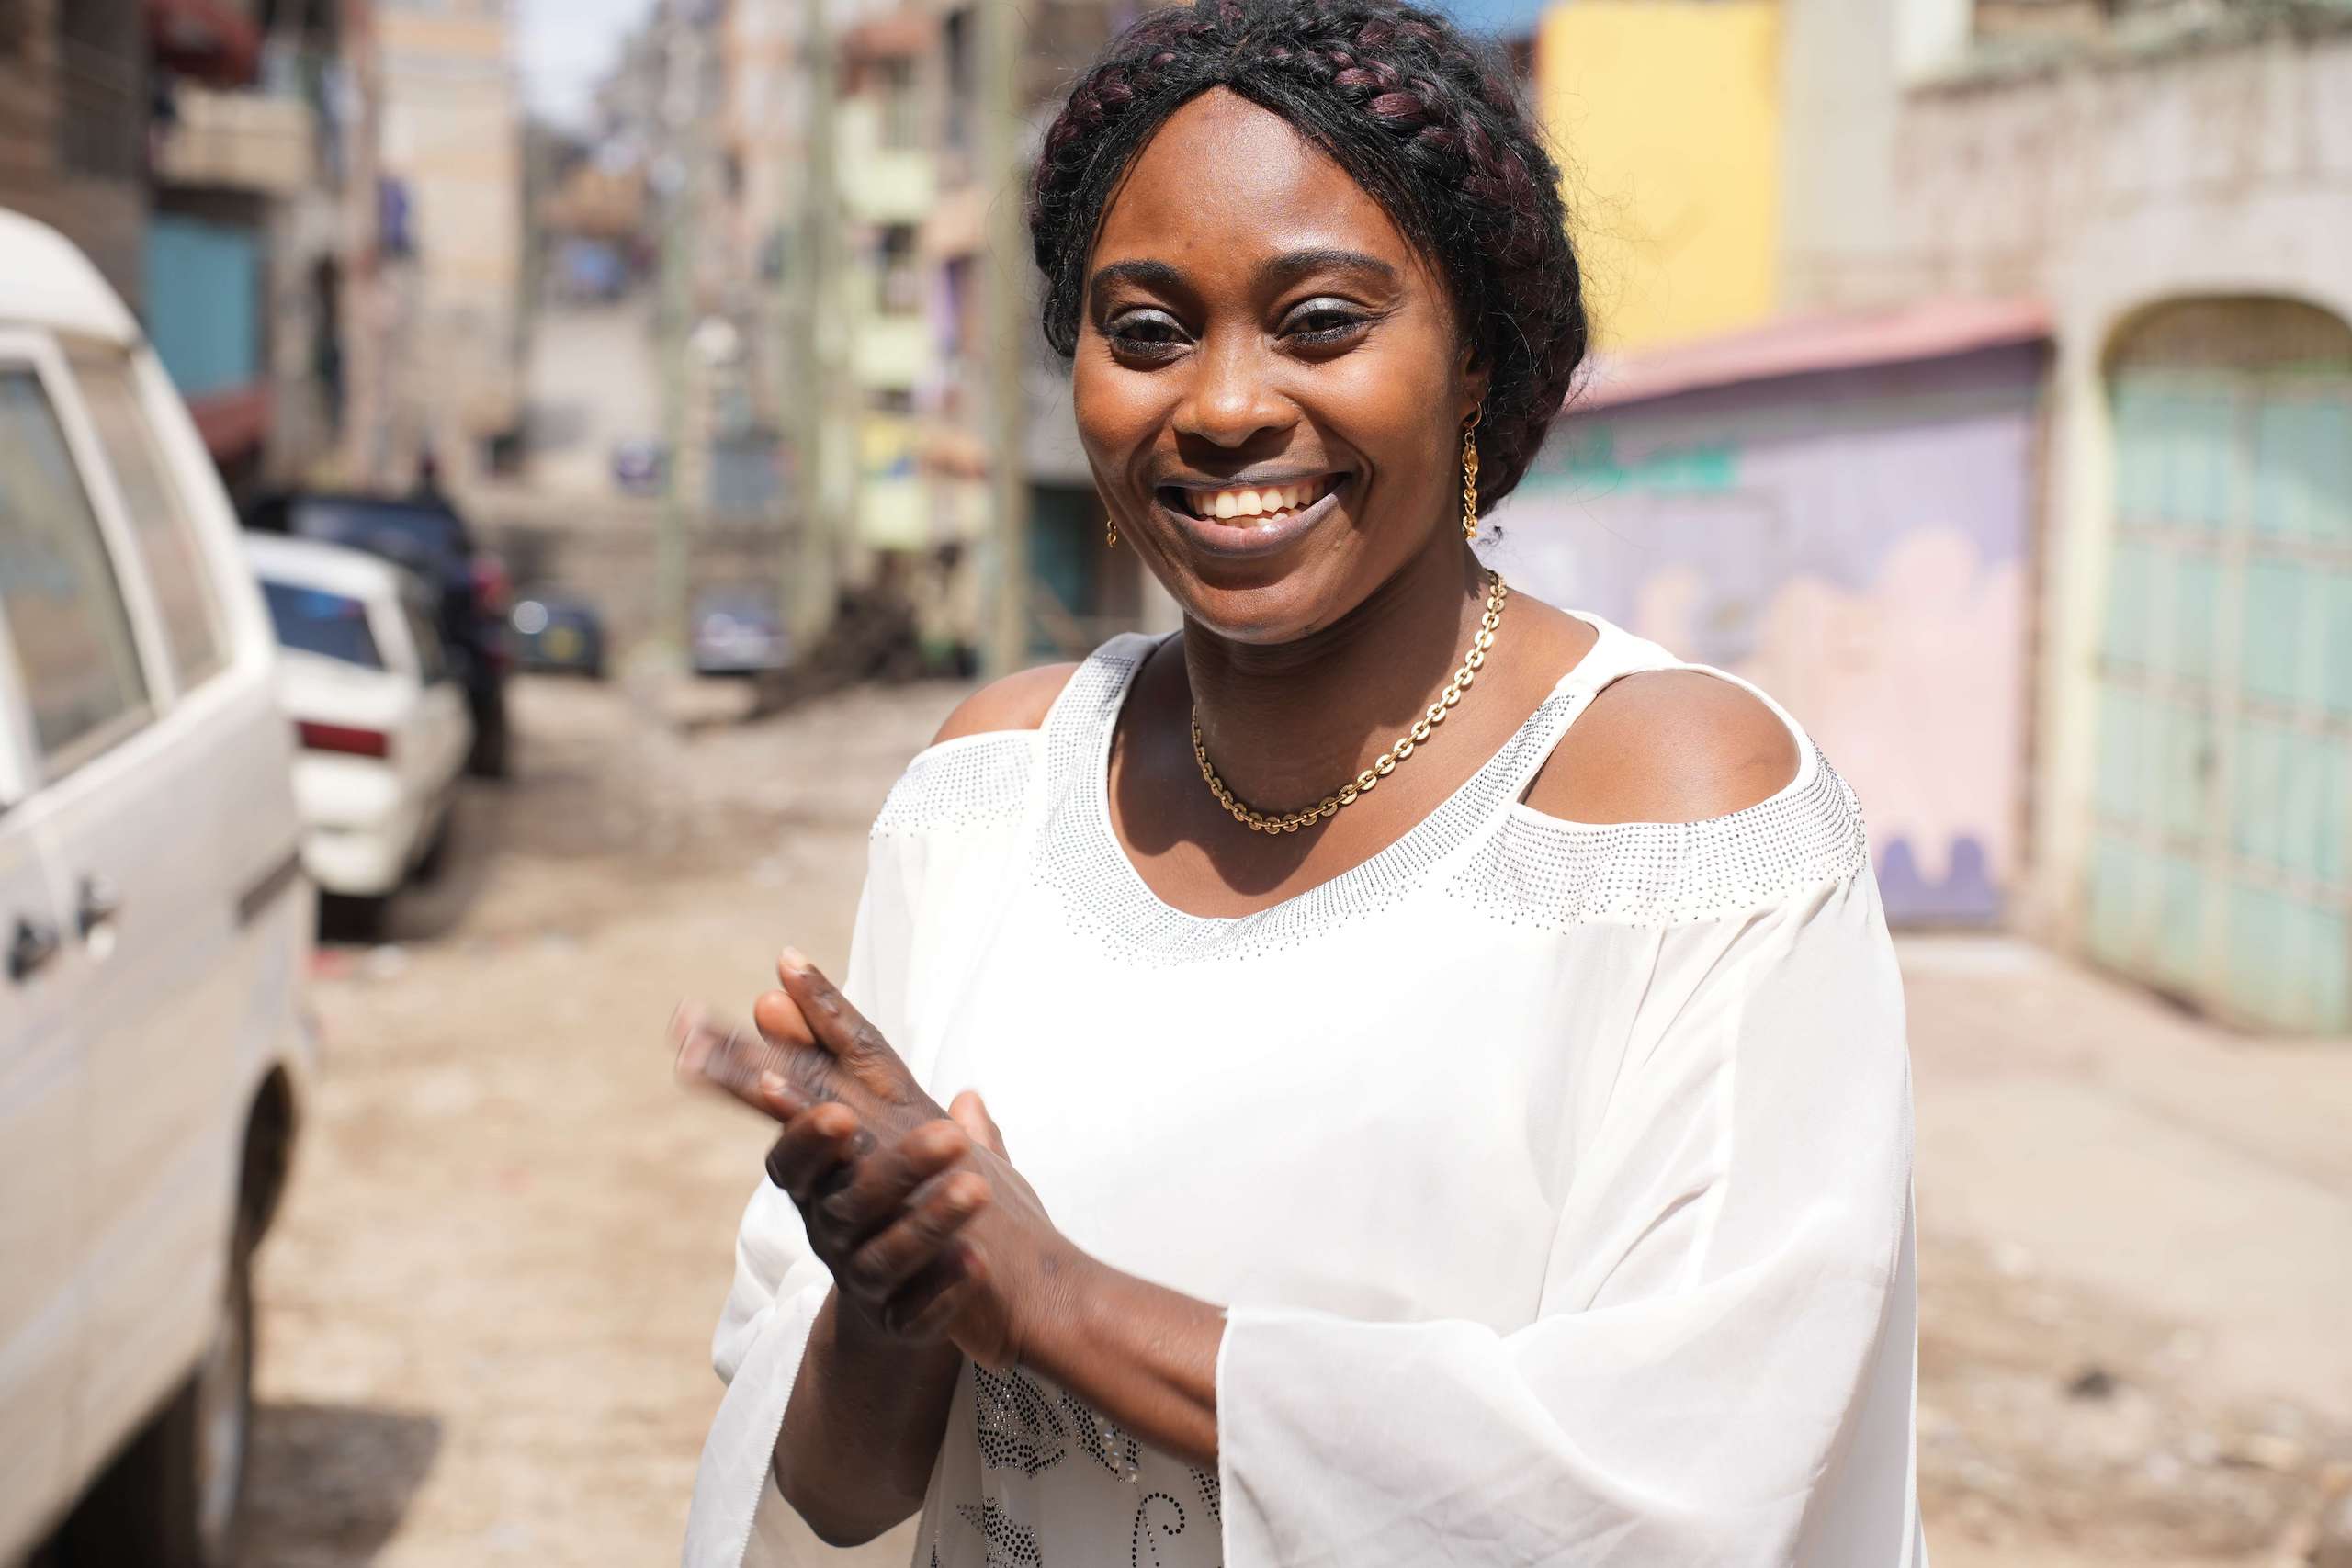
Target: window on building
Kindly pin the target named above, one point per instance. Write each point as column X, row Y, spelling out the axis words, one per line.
column 901, row 271
column 901, row 109
column 101, row 78
column 957, row 38
column 67, row 621
column 2061, row 21
column 168, row 549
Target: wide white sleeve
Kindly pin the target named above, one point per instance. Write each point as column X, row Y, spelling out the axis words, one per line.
column 938, row 851
column 738, row 1516
column 1720, row 1369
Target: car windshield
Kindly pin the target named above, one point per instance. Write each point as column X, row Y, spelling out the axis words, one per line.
column 424, row 536
column 333, row 625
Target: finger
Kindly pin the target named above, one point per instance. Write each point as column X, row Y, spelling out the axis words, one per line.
column 732, row 1059
column 885, row 1184
column 927, row 1305
column 778, row 1018
column 840, row 1028
column 811, row 1149
column 971, row 1114
column 938, row 1209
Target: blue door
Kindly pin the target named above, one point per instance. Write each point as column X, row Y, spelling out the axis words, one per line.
column 2220, row 864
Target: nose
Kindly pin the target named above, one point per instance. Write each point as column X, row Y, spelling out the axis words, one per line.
column 1232, row 400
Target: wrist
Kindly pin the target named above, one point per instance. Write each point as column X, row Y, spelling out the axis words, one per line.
column 1066, row 1329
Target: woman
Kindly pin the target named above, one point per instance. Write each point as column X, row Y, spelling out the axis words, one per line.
column 1448, row 1054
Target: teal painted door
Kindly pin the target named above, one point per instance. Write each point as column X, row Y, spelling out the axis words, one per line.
column 2221, row 862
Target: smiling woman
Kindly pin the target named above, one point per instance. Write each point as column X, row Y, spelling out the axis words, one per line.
column 1446, row 1098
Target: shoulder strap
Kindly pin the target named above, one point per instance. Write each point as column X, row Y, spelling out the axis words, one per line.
column 1615, row 653
column 1077, row 723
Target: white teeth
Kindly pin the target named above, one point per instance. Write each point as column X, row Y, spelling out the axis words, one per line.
column 1256, row 502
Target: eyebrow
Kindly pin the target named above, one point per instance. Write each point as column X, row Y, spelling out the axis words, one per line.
column 1288, row 267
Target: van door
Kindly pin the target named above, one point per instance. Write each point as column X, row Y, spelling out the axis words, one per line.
column 42, row 1133
column 128, row 830
column 44, row 1124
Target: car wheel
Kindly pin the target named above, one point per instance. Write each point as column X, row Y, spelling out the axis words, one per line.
column 435, row 858
column 175, row 1497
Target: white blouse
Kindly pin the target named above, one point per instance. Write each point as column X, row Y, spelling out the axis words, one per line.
column 1555, row 1178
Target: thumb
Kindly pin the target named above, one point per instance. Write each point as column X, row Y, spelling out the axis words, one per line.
column 971, row 1114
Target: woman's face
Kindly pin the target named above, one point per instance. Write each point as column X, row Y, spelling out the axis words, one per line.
column 1269, row 383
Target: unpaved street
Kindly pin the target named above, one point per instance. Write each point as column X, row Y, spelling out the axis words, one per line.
column 487, row 1304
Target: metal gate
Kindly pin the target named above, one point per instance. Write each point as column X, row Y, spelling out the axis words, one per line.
column 2221, row 862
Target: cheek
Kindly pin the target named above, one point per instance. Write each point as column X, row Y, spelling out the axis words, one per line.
column 1389, row 408
column 1116, row 409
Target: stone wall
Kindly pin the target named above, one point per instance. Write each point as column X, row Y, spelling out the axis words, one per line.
column 106, row 216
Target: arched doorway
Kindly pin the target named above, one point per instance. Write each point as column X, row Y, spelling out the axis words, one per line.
column 2221, row 862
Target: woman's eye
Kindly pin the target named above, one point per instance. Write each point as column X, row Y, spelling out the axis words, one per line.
column 1323, row 321
column 1146, row 332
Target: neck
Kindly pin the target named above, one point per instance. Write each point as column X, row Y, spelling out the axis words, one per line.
column 1287, row 723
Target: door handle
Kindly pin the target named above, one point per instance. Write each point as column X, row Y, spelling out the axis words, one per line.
column 101, row 902
column 34, row 944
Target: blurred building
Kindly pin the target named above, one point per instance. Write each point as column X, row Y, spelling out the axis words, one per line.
column 897, row 327
column 2168, row 183
column 452, row 158
column 1669, row 113
column 213, row 157
column 72, row 126
column 1840, row 509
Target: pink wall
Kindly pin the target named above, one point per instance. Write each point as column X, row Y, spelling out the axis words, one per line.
column 1856, row 543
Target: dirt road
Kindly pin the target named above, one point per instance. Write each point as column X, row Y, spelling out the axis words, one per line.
column 487, row 1305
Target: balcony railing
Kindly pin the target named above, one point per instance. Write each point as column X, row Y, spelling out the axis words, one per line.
column 239, row 141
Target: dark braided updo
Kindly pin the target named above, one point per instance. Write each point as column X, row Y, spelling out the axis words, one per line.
column 1432, row 128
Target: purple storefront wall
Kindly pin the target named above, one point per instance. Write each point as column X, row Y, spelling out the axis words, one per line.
column 1856, row 542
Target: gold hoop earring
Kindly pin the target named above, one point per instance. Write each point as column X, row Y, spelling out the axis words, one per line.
column 1110, row 533
column 1470, row 475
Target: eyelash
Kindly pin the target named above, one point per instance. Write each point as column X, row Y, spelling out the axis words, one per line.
column 1124, row 335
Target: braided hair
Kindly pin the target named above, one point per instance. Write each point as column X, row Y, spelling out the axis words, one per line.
column 1432, row 128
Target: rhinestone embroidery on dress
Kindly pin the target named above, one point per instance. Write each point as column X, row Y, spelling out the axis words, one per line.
column 963, row 784
column 1079, row 858
column 1551, row 875
column 1017, row 1429
column 1010, row 1545
column 1103, row 1443
column 1143, row 1544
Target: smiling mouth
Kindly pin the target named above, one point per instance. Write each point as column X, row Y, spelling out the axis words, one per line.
column 1247, row 504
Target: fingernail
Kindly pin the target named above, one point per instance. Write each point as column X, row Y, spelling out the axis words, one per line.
column 796, row 960
column 771, row 1085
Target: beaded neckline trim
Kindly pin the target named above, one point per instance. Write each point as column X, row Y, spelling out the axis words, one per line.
column 1079, row 857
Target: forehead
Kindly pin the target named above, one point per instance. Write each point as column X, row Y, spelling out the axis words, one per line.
column 1225, row 183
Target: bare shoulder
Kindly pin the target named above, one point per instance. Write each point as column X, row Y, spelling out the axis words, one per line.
column 1667, row 746
column 1018, row 701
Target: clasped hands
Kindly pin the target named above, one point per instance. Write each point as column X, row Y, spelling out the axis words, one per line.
column 930, row 1233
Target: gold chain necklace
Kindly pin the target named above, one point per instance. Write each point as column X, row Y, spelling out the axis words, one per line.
column 1386, row 763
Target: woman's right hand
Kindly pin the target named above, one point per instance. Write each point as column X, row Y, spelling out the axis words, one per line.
column 885, row 1217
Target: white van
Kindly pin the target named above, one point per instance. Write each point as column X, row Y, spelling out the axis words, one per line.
column 154, row 931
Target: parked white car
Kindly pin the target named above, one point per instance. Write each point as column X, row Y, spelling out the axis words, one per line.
column 382, row 728
column 157, row 928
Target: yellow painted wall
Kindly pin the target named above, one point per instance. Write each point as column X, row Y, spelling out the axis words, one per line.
column 1666, row 115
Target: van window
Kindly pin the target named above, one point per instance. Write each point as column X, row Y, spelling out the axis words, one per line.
column 159, row 518
column 58, row 591
column 311, row 620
